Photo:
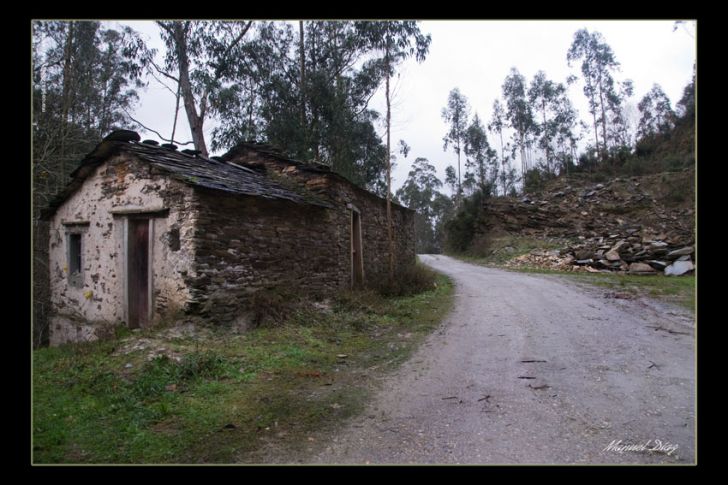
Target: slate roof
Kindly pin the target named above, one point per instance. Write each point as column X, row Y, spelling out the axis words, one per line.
column 191, row 169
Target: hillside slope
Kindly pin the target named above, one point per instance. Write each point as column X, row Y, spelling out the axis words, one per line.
column 634, row 224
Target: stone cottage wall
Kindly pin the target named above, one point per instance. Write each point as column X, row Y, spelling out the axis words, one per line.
column 339, row 192
column 375, row 244
column 248, row 244
column 88, row 311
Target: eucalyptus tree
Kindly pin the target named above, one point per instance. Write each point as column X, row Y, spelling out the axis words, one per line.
column 451, row 180
column 686, row 105
column 418, row 193
column 518, row 113
column 566, row 123
column 656, row 113
column 456, row 114
column 597, row 65
column 397, row 41
column 545, row 96
column 481, row 159
column 203, row 54
column 496, row 125
column 85, row 81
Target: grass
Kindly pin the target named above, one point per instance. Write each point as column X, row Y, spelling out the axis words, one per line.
column 230, row 396
column 504, row 248
column 673, row 289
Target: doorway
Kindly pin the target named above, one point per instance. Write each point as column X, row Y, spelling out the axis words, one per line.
column 357, row 260
column 138, row 272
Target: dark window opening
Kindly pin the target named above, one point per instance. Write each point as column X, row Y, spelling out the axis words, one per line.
column 74, row 258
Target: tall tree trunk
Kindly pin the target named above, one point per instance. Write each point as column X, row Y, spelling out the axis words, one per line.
column 460, row 185
column 604, row 118
column 196, row 120
column 176, row 112
column 66, row 99
column 303, row 81
column 596, row 136
column 548, row 159
column 503, row 163
column 390, row 237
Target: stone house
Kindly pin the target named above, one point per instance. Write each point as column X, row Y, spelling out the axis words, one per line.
column 145, row 232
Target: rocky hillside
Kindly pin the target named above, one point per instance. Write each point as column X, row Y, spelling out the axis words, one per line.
column 643, row 225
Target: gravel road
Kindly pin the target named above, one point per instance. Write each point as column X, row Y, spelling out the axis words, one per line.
column 531, row 369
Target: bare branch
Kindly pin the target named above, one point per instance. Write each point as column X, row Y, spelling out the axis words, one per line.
column 162, row 71
column 160, row 82
column 156, row 132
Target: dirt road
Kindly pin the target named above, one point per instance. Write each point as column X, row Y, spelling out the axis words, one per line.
column 533, row 369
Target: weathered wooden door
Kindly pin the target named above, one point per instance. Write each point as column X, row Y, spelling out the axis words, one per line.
column 357, row 261
column 138, row 272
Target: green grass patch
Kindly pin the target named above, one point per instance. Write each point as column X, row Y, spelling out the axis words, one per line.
column 673, row 289
column 503, row 248
column 226, row 394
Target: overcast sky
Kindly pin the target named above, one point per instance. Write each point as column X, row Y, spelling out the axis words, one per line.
column 476, row 56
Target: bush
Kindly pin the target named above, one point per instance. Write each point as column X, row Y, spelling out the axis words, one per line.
column 410, row 280
column 272, row 306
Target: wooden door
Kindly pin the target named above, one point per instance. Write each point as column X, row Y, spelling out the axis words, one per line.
column 138, row 272
column 357, row 260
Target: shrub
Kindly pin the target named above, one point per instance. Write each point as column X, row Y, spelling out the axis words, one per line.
column 410, row 280
column 272, row 306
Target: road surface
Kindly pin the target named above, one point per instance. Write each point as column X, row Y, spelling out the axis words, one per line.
column 531, row 369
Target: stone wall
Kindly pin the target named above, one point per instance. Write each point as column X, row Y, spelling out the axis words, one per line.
column 340, row 192
column 87, row 310
column 247, row 244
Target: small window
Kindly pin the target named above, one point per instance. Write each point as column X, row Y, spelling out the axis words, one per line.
column 74, row 259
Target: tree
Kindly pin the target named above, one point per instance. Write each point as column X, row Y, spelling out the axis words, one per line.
column 418, row 193
column 456, row 113
column 481, row 160
column 203, row 53
column 496, row 125
column 545, row 96
column 451, row 180
column 686, row 105
column 398, row 41
column 565, row 125
column 656, row 114
column 597, row 64
column 518, row 113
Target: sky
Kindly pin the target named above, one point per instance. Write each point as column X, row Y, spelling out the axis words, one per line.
column 476, row 56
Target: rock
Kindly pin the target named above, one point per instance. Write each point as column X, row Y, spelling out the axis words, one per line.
column 683, row 258
column 679, row 268
column 658, row 245
column 612, row 255
column 583, row 254
column 658, row 265
column 641, row 268
column 600, row 186
column 680, row 252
